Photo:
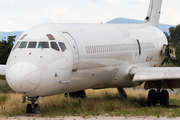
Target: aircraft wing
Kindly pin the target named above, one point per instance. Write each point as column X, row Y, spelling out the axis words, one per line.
column 2, row 72
column 155, row 74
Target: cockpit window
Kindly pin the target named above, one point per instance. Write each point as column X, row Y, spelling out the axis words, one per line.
column 50, row 37
column 43, row 45
column 23, row 36
column 23, row 45
column 62, row 46
column 32, row 45
column 17, row 44
column 54, row 46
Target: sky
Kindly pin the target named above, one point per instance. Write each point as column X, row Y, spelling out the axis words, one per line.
column 20, row 15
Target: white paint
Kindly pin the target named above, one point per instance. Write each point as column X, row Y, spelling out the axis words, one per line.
column 106, row 54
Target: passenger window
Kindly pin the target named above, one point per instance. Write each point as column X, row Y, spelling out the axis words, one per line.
column 54, row 46
column 87, row 49
column 17, row 44
column 106, row 48
column 23, row 45
column 93, row 49
column 98, row 49
column 62, row 46
column 32, row 45
column 43, row 45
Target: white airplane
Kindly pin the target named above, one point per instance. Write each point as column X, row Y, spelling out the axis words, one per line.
column 53, row 59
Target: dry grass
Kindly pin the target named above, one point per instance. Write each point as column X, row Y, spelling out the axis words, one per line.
column 10, row 104
column 4, row 87
column 98, row 102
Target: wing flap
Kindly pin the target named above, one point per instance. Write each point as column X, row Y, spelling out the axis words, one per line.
column 154, row 74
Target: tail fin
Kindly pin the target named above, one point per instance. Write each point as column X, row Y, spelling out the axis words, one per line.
column 154, row 13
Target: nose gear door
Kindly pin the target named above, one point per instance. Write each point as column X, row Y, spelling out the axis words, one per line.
column 74, row 50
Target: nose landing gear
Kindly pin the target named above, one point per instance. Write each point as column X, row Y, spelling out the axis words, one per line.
column 32, row 108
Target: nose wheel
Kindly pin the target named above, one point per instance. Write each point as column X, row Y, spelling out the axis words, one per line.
column 32, row 108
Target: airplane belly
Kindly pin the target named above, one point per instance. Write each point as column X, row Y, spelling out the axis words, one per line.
column 91, row 78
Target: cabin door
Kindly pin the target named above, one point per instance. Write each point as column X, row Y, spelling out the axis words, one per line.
column 74, row 50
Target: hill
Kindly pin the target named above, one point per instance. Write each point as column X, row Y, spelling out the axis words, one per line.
column 6, row 34
column 162, row 27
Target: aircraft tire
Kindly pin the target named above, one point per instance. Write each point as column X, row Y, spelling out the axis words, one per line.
column 152, row 98
column 65, row 95
column 36, row 106
column 164, row 99
column 79, row 94
column 29, row 108
column 82, row 94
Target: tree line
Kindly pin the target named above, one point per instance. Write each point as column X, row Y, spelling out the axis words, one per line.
column 5, row 48
column 173, row 38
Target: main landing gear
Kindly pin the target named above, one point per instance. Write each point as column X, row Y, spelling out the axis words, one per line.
column 32, row 108
column 161, row 97
column 154, row 97
column 77, row 94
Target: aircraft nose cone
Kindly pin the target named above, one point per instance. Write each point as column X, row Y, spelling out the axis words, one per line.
column 23, row 77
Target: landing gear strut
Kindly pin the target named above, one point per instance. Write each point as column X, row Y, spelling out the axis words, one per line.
column 32, row 108
column 158, row 97
column 123, row 95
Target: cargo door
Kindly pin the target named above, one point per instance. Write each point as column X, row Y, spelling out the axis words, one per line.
column 74, row 50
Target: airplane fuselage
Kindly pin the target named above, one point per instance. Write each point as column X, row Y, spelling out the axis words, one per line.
column 94, row 56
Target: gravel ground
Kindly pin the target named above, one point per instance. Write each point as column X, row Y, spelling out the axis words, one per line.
column 87, row 118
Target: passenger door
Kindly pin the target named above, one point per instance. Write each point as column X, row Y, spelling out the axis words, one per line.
column 74, row 50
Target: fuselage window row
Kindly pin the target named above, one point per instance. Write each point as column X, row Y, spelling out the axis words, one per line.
column 117, row 48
